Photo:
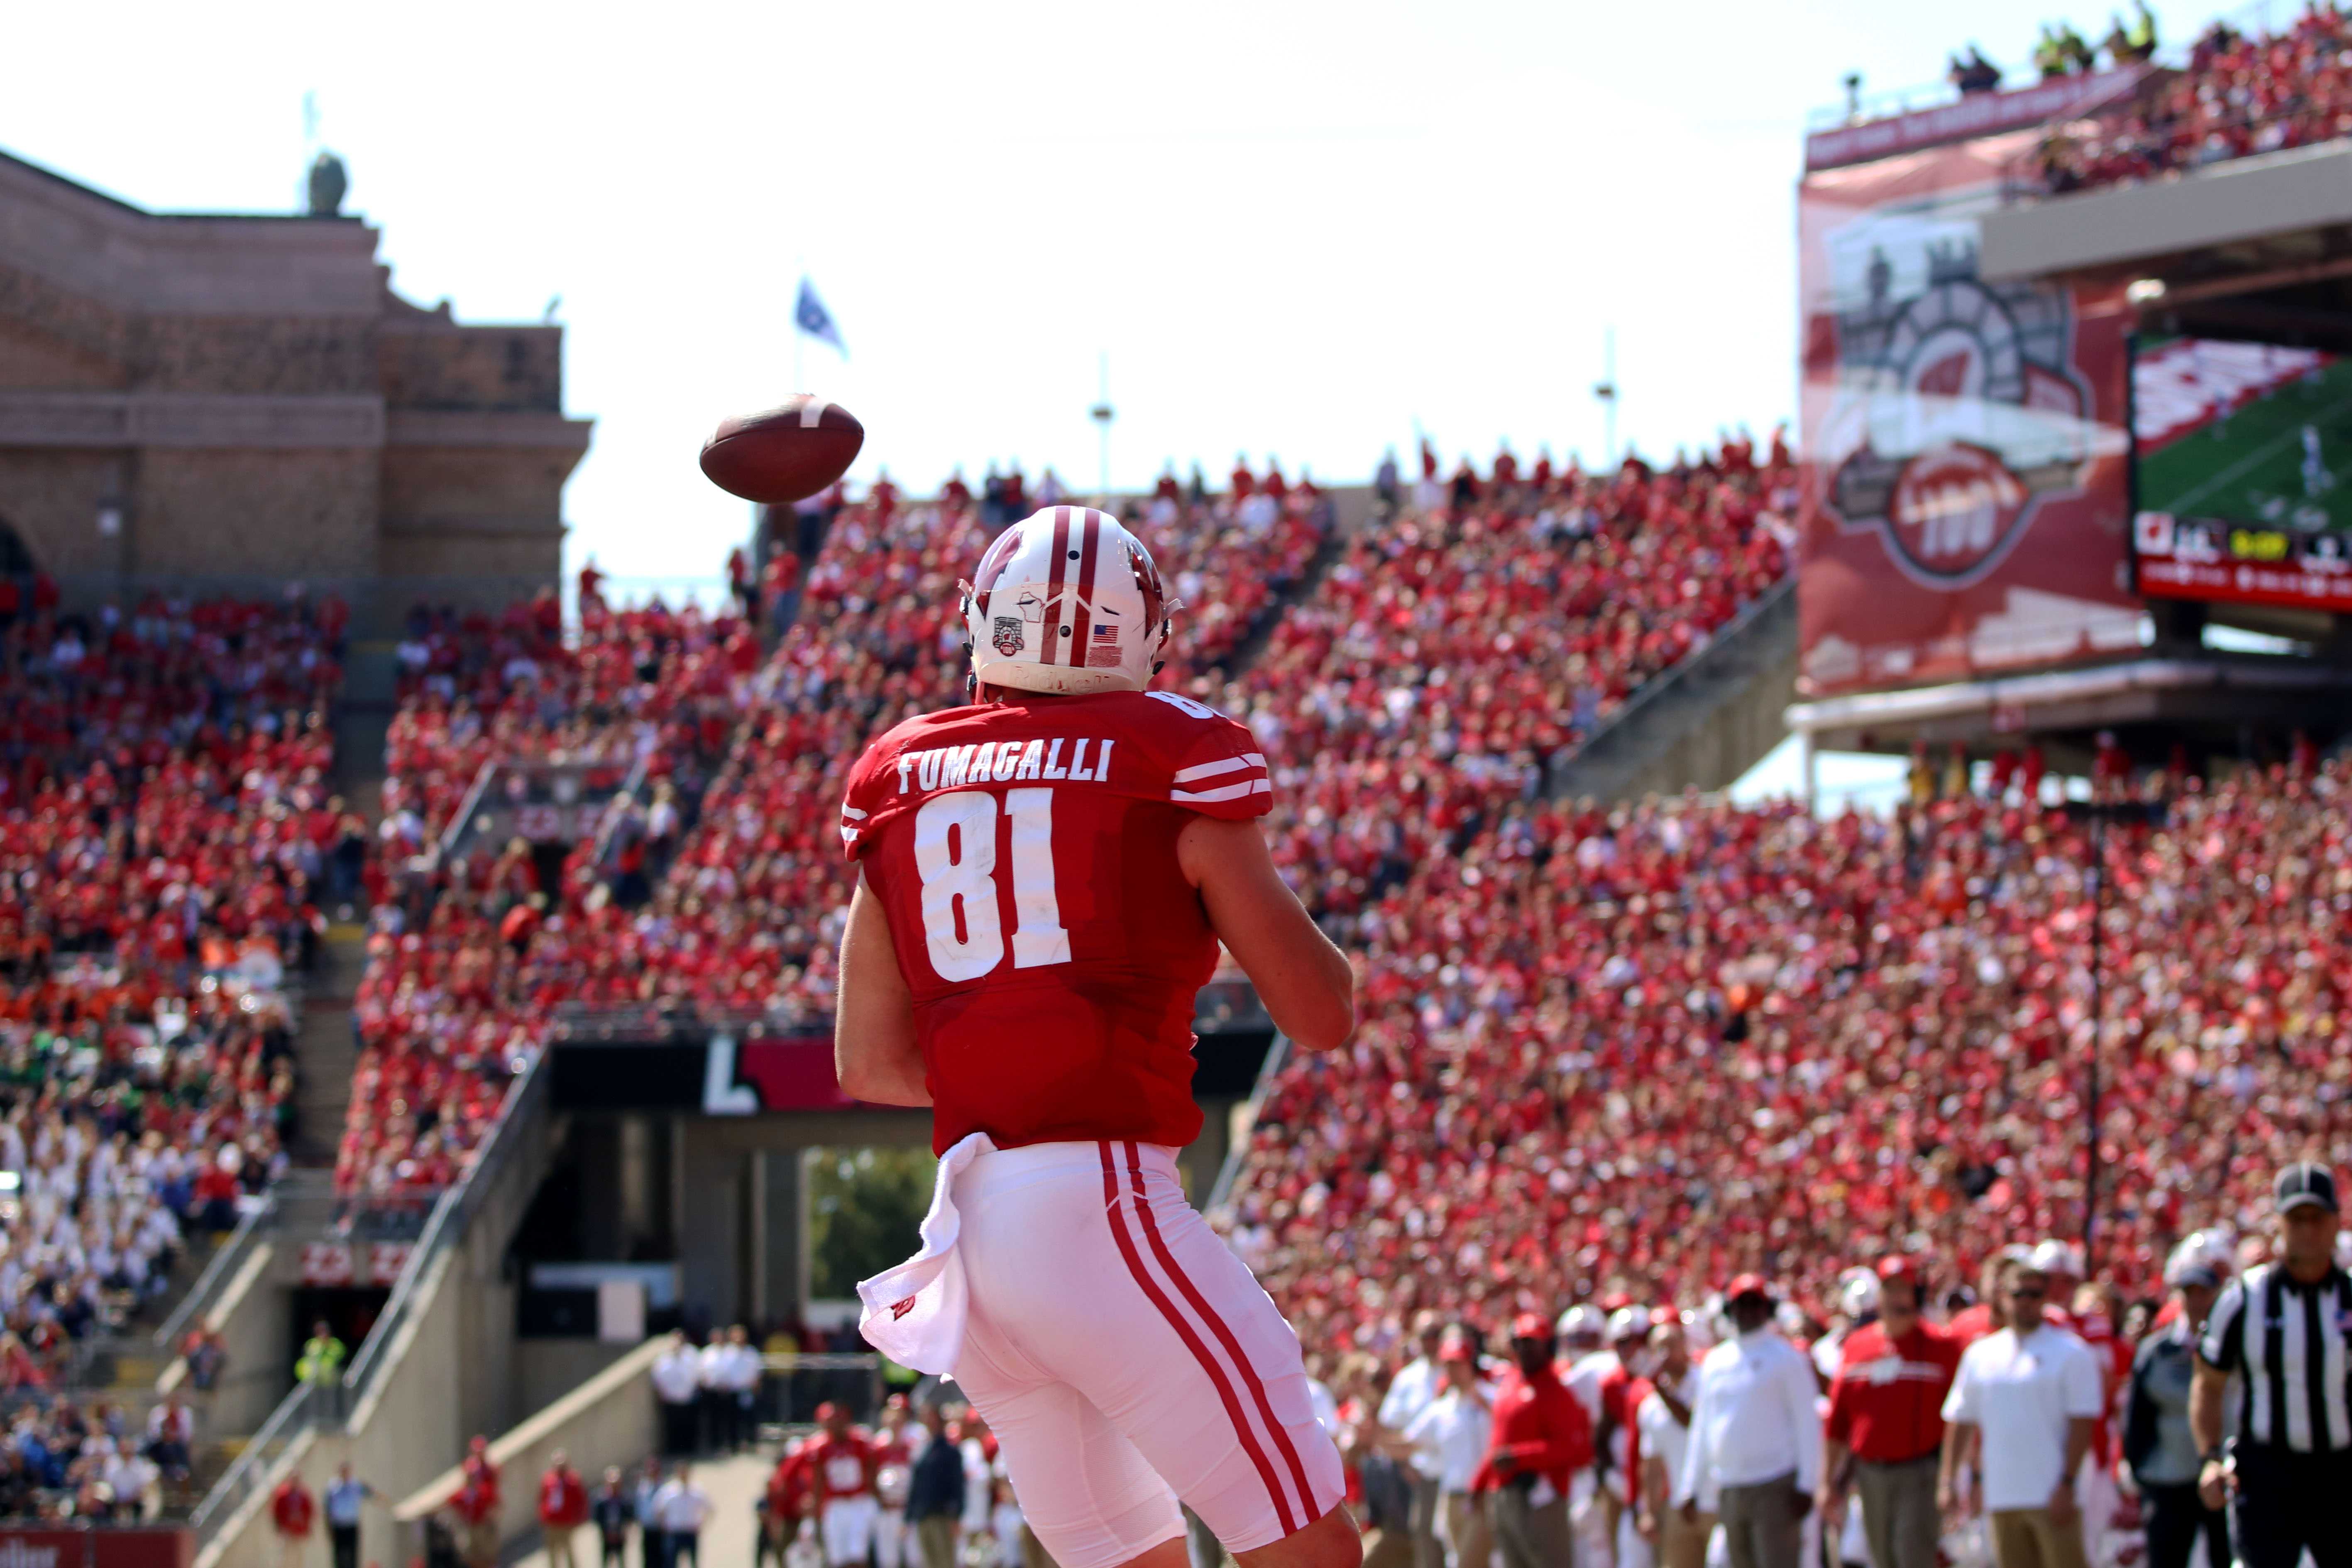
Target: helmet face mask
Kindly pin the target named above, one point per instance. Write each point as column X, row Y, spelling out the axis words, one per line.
column 1067, row 601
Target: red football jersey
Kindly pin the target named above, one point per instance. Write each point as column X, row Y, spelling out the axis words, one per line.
column 843, row 1467
column 1023, row 851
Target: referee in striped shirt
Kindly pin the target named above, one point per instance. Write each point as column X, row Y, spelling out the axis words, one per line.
column 2285, row 1328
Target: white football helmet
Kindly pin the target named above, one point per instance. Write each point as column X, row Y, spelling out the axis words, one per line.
column 1067, row 601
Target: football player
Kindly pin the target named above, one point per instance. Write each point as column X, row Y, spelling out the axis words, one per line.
column 1044, row 877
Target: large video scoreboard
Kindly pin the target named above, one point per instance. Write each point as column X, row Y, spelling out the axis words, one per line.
column 2243, row 474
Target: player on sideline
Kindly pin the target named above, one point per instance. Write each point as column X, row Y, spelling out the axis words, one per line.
column 1043, row 878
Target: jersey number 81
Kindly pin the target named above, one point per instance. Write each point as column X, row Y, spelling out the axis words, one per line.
column 955, row 854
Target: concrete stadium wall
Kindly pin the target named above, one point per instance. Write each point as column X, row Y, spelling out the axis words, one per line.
column 251, row 1317
column 611, row 1419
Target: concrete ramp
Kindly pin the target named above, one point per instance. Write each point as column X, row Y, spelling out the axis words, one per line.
column 1703, row 723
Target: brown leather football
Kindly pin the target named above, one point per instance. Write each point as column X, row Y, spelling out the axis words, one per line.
column 785, row 454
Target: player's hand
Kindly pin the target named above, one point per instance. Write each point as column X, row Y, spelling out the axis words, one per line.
column 1506, row 1465
column 1826, row 1500
column 2215, row 1484
column 1690, row 1512
column 1645, row 1524
column 1804, row 1499
column 2063, row 1510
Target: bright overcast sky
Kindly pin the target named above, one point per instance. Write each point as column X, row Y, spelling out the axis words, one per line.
column 1293, row 229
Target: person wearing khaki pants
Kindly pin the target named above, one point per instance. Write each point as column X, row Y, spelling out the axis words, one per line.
column 1446, row 1439
column 2024, row 1400
column 1663, row 1419
column 1467, row 1530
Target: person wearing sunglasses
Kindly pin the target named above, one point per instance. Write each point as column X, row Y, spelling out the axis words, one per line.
column 2027, row 1398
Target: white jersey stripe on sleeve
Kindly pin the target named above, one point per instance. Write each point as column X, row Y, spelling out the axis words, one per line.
column 853, row 811
column 1211, row 769
column 1225, row 792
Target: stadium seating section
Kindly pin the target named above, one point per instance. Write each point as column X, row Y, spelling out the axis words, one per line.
column 2238, row 95
column 166, row 833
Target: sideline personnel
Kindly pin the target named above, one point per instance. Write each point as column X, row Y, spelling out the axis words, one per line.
column 1887, row 1413
column 2283, row 1327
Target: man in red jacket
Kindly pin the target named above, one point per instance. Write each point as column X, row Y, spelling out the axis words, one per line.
column 1541, row 1437
column 562, row 1509
column 1885, row 1426
column 292, row 1510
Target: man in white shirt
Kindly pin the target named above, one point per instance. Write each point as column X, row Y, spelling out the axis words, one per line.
column 1663, row 1419
column 130, row 1477
column 1754, row 1437
column 680, row 1507
column 732, row 1369
column 2029, row 1395
column 1451, row 1434
column 1408, row 1394
column 678, row 1384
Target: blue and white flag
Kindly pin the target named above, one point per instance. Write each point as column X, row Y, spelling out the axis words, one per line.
column 811, row 317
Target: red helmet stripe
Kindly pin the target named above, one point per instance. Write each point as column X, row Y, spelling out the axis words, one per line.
column 1083, row 638
column 1049, row 628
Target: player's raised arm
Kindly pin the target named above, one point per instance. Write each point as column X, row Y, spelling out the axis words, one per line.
column 1303, row 979
column 875, row 1053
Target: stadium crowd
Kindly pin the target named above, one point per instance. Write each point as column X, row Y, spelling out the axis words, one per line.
column 2239, row 94
column 473, row 945
column 166, row 831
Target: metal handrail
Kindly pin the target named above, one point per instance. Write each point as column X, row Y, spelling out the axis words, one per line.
column 1277, row 1057
column 1673, row 676
column 218, row 1271
column 457, row 1204
column 237, row 1482
column 306, row 1405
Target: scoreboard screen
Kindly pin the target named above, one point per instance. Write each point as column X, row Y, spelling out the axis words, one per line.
column 2242, row 473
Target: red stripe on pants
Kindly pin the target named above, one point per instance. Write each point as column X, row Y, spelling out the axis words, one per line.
column 1217, row 1326
column 1158, row 1299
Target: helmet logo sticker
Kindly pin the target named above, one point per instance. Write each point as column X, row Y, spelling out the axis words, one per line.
column 1007, row 637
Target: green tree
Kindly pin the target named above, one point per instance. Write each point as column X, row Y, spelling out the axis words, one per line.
column 865, row 1213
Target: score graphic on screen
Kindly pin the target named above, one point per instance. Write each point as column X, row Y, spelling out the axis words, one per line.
column 2245, row 474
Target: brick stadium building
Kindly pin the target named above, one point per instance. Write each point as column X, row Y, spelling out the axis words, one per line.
column 232, row 400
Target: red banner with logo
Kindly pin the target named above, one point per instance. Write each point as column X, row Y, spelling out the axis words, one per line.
column 1966, row 489
column 105, row 1546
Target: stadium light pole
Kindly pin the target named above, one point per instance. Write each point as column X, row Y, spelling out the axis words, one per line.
column 1606, row 392
column 2097, row 814
column 1102, row 414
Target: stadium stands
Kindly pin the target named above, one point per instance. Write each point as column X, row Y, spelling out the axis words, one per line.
column 1448, row 660
column 468, row 955
column 2239, row 95
column 165, row 817
column 1677, row 1041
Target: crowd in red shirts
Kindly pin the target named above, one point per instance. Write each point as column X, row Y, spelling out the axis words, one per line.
column 1641, row 1049
column 2239, row 94
column 166, row 831
column 1450, row 657
column 472, row 950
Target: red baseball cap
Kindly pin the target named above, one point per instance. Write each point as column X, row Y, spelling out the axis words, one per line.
column 1451, row 1344
column 1530, row 1325
column 827, row 1411
column 1747, row 1285
column 1896, row 1266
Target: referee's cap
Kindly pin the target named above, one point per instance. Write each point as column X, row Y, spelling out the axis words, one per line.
column 2306, row 1182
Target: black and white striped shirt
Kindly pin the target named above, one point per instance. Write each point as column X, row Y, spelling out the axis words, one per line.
column 2291, row 1345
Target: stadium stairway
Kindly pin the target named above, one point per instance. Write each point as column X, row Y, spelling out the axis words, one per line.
column 1703, row 722
column 325, row 1050
column 363, row 718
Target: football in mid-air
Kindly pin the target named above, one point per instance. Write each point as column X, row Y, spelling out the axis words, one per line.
column 785, row 454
